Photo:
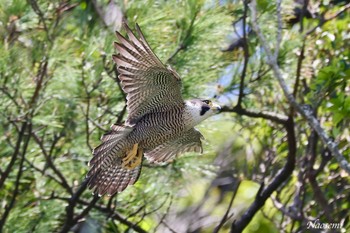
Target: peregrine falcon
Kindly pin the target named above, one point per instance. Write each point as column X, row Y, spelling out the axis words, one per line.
column 160, row 123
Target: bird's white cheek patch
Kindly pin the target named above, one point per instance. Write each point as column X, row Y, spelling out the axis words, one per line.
column 192, row 115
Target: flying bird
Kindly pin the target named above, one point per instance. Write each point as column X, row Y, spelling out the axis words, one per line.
column 159, row 125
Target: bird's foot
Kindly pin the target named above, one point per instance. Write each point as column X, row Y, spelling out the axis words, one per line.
column 133, row 157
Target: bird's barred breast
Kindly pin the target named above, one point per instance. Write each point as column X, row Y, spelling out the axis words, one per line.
column 157, row 128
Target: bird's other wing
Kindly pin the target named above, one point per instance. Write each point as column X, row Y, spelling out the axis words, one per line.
column 109, row 149
column 107, row 174
column 148, row 84
column 112, row 179
column 188, row 142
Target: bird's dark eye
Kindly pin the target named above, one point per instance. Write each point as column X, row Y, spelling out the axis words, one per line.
column 204, row 109
column 206, row 101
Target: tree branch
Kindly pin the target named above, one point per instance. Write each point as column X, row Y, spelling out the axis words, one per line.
column 277, row 118
column 246, row 55
column 322, row 20
column 313, row 122
column 225, row 217
column 50, row 163
column 18, row 179
column 264, row 193
column 183, row 44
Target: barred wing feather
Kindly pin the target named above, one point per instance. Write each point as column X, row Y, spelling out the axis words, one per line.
column 148, row 84
column 188, row 142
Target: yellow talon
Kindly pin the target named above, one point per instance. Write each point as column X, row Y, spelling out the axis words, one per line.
column 133, row 157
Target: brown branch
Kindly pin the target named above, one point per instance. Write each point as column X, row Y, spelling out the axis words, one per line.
column 298, row 74
column 72, row 202
column 128, row 223
column 320, row 198
column 42, row 71
column 18, row 178
column 168, row 227
column 165, row 214
column 246, row 55
column 302, row 14
column 225, row 217
column 299, row 66
column 282, row 176
column 42, row 171
column 87, row 209
column 311, row 174
column 277, row 118
column 12, row 98
column 38, row 11
column 109, row 212
column 50, row 163
column 5, row 174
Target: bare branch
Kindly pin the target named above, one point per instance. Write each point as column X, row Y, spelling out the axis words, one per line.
column 225, row 217
column 264, row 193
column 5, row 174
column 246, row 55
column 72, row 202
column 277, row 118
column 50, row 163
column 313, row 122
column 18, row 178
column 165, row 214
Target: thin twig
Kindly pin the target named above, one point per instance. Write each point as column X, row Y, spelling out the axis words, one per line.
column 279, row 29
column 246, row 55
column 165, row 214
column 50, row 163
column 225, row 217
column 322, row 20
column 183, row 44
column 38, row 11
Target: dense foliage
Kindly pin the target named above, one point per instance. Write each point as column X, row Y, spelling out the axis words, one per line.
column 265, row 167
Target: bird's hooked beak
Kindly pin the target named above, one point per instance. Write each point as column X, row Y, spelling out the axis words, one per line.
column 215, row 107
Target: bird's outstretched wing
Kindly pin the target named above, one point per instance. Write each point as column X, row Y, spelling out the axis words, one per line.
column 107, row 175
column 148, row 84
column 188, row 142
column 113, row 178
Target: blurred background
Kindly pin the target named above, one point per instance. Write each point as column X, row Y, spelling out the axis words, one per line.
column 264, row 169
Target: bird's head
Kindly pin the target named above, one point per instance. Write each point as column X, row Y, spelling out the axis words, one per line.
column 197, row 110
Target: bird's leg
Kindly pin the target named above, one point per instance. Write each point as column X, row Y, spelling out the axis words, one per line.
column 137, row 161
column 134, row 158
column 130, row 155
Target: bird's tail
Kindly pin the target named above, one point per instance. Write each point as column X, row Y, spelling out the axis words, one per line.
column 115, row 163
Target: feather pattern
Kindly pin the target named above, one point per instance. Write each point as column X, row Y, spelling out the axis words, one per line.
column 105, row 166
column 113, row 179
column 150, row 86
column 190, row 141
column 159, row 122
